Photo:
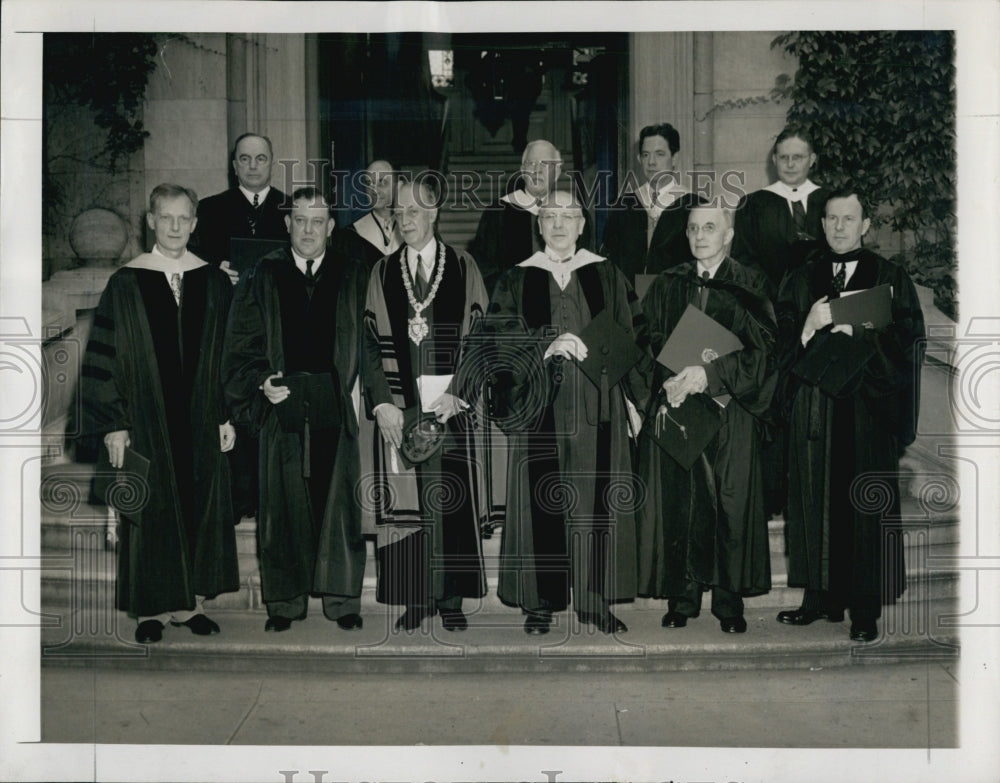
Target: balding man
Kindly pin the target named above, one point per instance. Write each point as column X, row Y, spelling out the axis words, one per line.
column 704, row 527
column 377, row 229
column 506, row 234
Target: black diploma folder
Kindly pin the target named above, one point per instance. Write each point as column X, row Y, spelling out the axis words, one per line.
column 609, row 348
column 244, row 253
column 125, row 489
column 698, row 339
column 868, row 309
column 684, row 432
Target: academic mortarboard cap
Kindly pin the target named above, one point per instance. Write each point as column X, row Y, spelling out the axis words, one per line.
column 423, row 436
column 125, row 489
column 245, row 252
column 833, row 361
column 313, row 398
column 684, row 432
column 868, row 309
column 610, row 349
column 642, row 284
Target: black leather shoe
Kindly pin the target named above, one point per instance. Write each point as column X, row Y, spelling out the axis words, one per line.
column 802, row 616
column 537, row 623
column 864, row 631
column 278, row 624
column 199, row 624
column 350, row 621
column 149, row 631
column 410, row 620
column 453, row 620
column 608, row 623
column 674, row 620
column 733, row 624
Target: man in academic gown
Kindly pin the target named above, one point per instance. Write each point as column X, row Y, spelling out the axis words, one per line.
column 777, row 226
column 251, row 210
column 840, row 549
column 570, row 525
column 645, row 229
column 298, row 311
column 375, row 234
column 506, row 233
column 705, row 528
column 151, row 381
column 422, row 302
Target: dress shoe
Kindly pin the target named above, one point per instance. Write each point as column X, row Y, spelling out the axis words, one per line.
column 864, row 631
column 537, row 623
column 199, row 624
column 278, row 623
column 733, row 624
column 350, row 621
column 605, row 622
column 149, row 631
column 802, row 616
column 674, row 620
column 453, row 620
column 410, row 619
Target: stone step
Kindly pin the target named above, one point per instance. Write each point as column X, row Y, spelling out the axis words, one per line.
column 494, row 642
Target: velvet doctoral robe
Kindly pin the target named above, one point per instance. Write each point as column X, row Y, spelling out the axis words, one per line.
column 296, row 558
column 707, row 524
column 625, row 244
column 229, row 215
column 427, row 517
column 504, row 237
column 570, row 491
column 840, row 533
column 153, row 368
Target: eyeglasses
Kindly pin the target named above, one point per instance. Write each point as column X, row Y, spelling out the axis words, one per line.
column 708, row 229
column 538, row 165
column 551, row 217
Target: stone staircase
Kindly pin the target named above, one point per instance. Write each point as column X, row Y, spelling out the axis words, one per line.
column 80, row 625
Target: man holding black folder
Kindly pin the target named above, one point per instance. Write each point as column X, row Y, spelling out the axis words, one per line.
column 853, row 392
column 703, row 524
column 290, row 362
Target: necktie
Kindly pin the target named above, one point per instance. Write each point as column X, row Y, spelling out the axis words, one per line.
column 840, row 279
column 799, row 216
column 421, row 286
column 252, row 220
column 175, row 287
column 310, row 277
column 704, row 291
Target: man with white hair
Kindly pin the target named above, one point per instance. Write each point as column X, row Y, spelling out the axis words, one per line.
column 506, row 233
column 375, row 234
column 704, row 527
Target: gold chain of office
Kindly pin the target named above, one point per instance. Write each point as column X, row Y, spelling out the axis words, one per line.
column 418, row 324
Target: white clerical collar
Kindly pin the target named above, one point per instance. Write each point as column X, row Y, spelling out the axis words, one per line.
column 300, row 261
column 261, row 195
column 711, row 272
column 426, row 254
column 790, row 194
column 561, row 271
column 521, row 198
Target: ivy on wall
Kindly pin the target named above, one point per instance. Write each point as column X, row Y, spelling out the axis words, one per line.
column 880, row 106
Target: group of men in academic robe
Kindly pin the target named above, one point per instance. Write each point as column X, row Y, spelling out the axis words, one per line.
column 337, row 360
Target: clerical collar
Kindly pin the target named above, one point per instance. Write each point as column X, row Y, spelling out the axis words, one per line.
column 426, row 253
column 300, row 262
column 522, row 199
column 798, row 193
column 261, row 195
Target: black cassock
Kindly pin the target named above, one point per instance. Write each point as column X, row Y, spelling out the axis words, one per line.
column 835, row 532
column 624, row 243
column 707, row 524
column 152, row 368
column 309, row 528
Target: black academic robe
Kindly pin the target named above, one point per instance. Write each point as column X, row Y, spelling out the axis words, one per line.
column 155, row 371
column 427, row 517
column 766, row 236
column 228, row 215
column 835, row 535
column 707, row 524
column 295, row 556
column 570, row 516
column 624, row 242
column 505, row 237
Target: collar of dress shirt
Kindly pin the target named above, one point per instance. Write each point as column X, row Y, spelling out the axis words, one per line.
column 711, row 272
column 521, row 198
column 427, row 254
column 665, row 196
column 849, row 267
column 249, row 193
column 300, row 262
column 801, row 193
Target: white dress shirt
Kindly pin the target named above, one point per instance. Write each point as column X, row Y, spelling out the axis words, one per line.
column 261, row 195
